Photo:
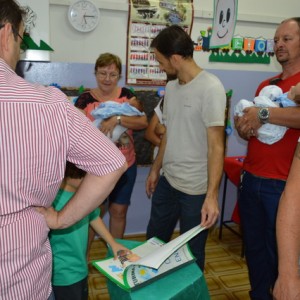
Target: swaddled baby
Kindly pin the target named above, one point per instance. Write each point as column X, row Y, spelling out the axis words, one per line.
column 270, row 96
column 111, row 108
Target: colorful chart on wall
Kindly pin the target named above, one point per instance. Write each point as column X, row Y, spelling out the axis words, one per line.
column 37, row 31
column 146, row 19
column 225, row 14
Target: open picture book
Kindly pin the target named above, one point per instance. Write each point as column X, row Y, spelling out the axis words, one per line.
column 148, row 261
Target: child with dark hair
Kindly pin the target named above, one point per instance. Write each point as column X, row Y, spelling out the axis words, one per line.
column 156, row 127
column 69, row 246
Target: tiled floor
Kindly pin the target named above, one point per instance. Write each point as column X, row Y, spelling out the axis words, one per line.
column 225, row 273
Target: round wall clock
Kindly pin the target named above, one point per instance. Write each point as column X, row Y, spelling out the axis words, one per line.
column 84, row 15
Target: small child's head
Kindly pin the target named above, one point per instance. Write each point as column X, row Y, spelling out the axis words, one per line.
column 73, row 172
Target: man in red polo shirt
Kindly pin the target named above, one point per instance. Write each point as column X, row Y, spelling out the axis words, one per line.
column 267, row 166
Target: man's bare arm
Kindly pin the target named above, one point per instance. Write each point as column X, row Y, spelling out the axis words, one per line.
column 287, row 116
column 91, row 193
column 288, row 221
column 288, row 236
column 210, row 209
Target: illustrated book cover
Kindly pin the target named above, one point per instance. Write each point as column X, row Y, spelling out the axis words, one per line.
column 148, row 261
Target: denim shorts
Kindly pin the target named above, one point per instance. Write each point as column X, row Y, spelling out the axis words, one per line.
column 121, row 194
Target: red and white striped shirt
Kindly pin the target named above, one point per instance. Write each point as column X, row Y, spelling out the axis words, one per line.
column 39, row 130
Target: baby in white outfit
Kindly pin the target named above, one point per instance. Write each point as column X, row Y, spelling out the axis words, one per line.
column 270, row 96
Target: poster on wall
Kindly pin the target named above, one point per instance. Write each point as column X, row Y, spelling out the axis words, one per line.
column 146, row 19
column 37, row 30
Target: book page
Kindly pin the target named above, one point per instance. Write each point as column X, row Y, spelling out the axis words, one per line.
column 139, row 252
column 156, row 258
column 136, row 275
column 114, row 269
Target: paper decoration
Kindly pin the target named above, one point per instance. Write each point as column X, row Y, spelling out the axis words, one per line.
column 225, row 13
column 37, row 30
column 33, row 46
column 240, row 49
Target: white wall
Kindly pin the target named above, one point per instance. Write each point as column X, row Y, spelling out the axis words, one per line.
column 255, row 18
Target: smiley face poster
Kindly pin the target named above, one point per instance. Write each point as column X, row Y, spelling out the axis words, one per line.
column 225, row 14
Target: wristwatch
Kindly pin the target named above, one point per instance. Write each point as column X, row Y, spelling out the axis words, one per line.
column 263, row 115
column 119, row 120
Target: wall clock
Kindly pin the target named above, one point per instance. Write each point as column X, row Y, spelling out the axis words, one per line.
column 84, row 15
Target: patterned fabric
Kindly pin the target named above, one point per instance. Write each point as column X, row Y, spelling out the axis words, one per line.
column 39, row 131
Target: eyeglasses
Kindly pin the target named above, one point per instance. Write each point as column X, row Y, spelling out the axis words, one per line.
column 24, row 46
column 104, row 75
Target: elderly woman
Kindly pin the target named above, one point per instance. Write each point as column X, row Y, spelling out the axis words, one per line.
column 108, row 69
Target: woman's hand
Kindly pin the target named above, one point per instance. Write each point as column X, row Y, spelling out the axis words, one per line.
column 107, row 126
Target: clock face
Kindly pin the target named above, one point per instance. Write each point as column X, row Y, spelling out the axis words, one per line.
column 84, row 15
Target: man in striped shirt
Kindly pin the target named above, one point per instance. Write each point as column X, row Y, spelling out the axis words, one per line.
column 39, row 131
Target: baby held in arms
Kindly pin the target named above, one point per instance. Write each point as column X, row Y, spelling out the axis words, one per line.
column 108, row 109
column 270, row 96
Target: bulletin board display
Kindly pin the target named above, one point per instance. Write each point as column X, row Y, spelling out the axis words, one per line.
column 146, row 19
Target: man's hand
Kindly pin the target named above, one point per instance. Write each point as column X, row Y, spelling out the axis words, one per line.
column 287, row 288
column 209, row 213
column 50, row 215
column 151, row 183
column 248, row 124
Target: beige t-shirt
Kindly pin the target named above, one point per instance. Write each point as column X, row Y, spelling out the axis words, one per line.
column 188, row 111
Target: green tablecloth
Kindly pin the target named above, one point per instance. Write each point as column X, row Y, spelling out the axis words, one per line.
column 187, row 283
